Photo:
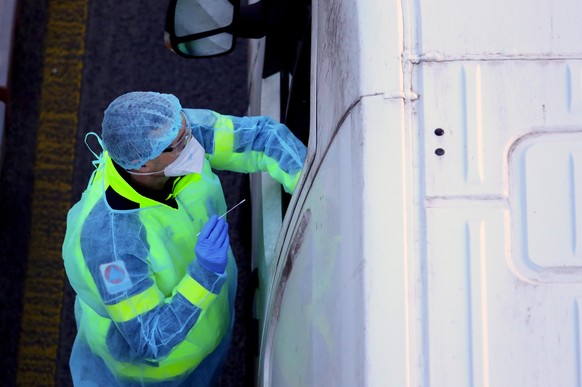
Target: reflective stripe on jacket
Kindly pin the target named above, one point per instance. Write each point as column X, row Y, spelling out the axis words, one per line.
column 167, row 242
column 144, row 304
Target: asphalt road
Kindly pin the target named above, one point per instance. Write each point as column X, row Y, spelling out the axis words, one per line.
column 107, row 48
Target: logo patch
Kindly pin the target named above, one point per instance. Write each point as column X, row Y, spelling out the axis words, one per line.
column 115, row 277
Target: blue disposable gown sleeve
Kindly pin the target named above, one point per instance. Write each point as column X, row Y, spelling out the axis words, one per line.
column 249, row 144
column 147, row 325
column 152, row 334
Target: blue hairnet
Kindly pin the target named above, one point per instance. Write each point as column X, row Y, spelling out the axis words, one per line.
column 138, row 126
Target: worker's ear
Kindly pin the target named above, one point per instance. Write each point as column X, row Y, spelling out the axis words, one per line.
column 147, row 167
column 143, row 168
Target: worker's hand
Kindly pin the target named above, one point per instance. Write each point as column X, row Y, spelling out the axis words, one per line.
column 212, row 246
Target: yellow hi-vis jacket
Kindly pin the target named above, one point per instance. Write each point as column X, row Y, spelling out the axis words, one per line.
column 144, row 307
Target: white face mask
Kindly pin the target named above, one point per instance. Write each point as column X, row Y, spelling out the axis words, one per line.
column 190, row 160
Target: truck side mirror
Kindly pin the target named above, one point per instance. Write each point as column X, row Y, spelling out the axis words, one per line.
column 201, row 28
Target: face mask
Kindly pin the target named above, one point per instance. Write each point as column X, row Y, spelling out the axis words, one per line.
column 190, row 160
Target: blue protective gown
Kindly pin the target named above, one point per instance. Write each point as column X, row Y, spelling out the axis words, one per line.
column 147, row 313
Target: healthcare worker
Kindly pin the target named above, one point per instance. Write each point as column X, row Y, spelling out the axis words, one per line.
column 145, row 250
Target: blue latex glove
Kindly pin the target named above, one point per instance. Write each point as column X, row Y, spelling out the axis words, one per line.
column 212, row 246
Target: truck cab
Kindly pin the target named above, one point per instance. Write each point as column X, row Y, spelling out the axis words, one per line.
column 435, row 236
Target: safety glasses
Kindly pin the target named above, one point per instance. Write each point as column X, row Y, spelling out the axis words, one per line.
column 183, row 141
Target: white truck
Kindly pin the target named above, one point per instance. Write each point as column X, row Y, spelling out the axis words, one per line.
column 435, row 237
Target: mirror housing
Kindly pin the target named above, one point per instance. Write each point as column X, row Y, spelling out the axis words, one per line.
column 208, row 28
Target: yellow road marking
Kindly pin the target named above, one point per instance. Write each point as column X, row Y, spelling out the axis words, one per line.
column 53, row 175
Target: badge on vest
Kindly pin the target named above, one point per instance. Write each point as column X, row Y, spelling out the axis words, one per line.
column 115, row 277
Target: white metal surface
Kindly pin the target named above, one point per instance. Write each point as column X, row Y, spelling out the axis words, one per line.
column 501, row 283
column 400, row 267
column 320, row 306
column 308, row 341
column 546, row 170
column 517, row 29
